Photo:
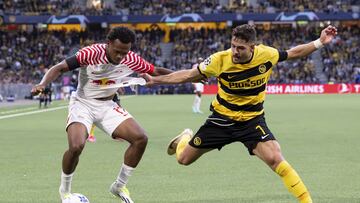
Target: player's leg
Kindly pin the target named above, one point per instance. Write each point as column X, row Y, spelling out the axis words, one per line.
column 91, row 137
column 41, row 99
column 119, row 124
column 185, row 153
column 196, row 99
column 77, row 133
column 189, row 154
column 198, row 104
column 78, row 125
column 46, row 100
column 130, row 131
column 213, row 134
column 50, row 98
column 270, row 153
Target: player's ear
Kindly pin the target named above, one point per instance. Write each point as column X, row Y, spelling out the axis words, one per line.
column 252, row 46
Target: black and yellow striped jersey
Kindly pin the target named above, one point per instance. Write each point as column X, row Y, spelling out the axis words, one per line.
column 242, row 87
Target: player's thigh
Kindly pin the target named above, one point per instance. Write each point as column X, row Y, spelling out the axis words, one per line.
column 79, row 113
column 269, row 152
column 191, row 154
column 113, row 119
column 77, row 134
column 129, row 130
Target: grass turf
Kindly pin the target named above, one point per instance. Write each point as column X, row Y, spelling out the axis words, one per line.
column 318, row 135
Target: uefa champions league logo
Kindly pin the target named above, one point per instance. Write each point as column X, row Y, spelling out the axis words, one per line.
column 83, row 20
column 309, row 15
column 193, row 16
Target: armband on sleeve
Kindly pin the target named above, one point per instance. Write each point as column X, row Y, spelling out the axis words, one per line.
column 283, row 55
column 72, row 62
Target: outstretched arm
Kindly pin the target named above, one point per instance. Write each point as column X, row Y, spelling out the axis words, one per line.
column 302, row 50
column 161, row 71
column 53, row 73
column 177, row 77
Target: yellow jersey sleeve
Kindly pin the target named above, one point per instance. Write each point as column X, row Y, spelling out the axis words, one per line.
column 211, row 66
column 272, row 54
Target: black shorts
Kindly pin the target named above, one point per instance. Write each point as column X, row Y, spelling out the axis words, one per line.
column 219, row 131
column 116, row 99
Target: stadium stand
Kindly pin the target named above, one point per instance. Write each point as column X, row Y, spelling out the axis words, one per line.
column 161, row 7
column 27, row 51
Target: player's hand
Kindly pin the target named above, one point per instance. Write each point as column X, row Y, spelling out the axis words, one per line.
column 328, row 34
column 148, row 78
column 37, row 89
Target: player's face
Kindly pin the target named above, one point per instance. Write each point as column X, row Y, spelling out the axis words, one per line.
column 241, row 51
column 118, row 50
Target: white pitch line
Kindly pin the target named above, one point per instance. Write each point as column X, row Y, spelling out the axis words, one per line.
column 47, row 110
column 17, row 110
column 33, row 112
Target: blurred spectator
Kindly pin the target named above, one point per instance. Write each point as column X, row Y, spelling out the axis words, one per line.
column 162, row 7
column 24, row 55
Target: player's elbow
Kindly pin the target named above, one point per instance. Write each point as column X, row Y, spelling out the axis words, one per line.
column 293, row 54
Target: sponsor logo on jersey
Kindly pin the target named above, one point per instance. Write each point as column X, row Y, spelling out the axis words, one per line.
column 247, row 83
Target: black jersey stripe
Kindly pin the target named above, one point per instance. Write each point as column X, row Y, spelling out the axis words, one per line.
column 243, row 92
column 198, row 68
column 235, row 107
column 242, row 75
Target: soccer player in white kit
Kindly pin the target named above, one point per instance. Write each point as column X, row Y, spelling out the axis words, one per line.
column 198, row 90
column 102, row 65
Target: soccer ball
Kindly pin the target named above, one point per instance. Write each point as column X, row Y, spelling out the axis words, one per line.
column 76, row 198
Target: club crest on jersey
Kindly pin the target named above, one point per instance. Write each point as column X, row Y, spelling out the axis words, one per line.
column 197, row 141
column 262, row 68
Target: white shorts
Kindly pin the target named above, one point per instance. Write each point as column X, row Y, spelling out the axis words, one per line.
column 199, row 87
column 106, row 115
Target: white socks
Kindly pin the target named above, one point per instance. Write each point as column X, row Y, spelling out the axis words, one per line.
column 65, row 185
column 124, row 174
column 196, row 105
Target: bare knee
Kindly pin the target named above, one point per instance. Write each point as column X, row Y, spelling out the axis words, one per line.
column 274, row 160
column 76, row 149
column 141, row 140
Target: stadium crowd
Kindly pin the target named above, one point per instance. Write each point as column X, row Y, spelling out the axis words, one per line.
column 162, row 7
column 26, row 55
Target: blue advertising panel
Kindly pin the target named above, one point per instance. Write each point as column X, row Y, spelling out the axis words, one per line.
column 186, row 17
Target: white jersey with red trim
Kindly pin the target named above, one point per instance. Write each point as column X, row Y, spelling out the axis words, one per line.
column 97, row 72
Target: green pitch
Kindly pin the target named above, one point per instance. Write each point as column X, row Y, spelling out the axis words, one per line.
column 319, row 136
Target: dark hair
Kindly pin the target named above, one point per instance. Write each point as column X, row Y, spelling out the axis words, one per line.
column 245, row 32
column 124, row 34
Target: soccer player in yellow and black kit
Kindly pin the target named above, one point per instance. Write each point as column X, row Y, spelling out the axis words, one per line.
column 238, row 114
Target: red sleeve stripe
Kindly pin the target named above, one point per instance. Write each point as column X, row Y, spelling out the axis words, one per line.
column 96, row 57
column 92, row 55
column 103, row 53
column 130, row 60
column 88, row 55
column 138, row 64
column 100, row 57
